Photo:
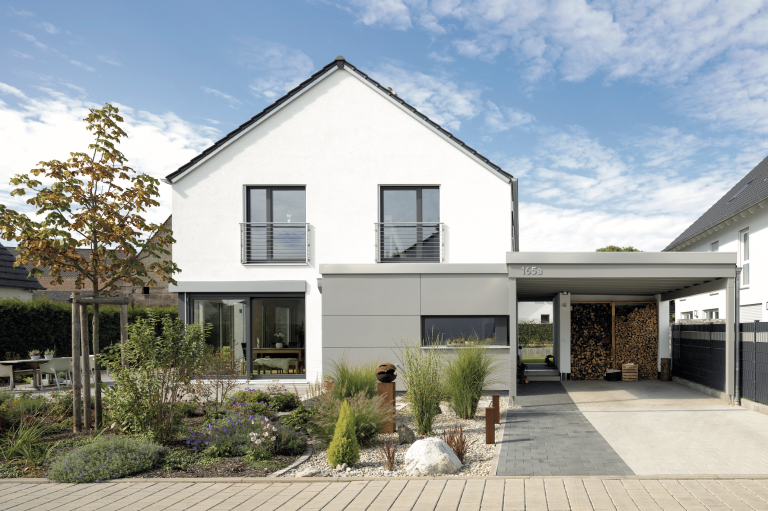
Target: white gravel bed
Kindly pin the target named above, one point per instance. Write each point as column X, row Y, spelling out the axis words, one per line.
column 477, row 462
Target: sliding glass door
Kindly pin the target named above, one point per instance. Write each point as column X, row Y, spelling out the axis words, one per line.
column 226, row 319
column 278, row 337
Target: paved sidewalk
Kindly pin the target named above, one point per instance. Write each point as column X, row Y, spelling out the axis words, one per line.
column 533, row 494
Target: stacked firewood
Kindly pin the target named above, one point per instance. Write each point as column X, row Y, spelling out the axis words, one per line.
column 637, row 342
column 590, row 340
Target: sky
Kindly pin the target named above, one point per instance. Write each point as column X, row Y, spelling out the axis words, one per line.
column 623, row 121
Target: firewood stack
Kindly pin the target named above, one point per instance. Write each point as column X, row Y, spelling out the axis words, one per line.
column 590, row 340
column 637, row 342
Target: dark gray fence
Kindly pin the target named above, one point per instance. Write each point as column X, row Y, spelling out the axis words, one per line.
column 698, row 354
column 754, row 361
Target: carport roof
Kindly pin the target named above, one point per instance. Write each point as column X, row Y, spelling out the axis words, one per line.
column 541, row 275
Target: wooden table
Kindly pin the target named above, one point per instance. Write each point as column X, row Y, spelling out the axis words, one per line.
column 35, row 369
column 299, row 352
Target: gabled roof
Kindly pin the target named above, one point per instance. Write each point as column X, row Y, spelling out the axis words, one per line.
column 338, row 63
column 14, row 277
column 752, row 189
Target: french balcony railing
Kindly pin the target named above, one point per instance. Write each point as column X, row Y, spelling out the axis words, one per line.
column 409, row 242
column 274, row 243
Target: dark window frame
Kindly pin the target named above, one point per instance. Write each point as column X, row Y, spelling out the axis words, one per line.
column 270, row 256
column 419, row 218
column 502, row 330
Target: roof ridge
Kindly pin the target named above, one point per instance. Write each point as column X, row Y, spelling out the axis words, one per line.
column 339, row 62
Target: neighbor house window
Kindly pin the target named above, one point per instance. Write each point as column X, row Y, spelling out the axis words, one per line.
column 409, row 228
column 686, row 315
column 712, row 313
column 545, row 318
column 275, row 230
column 744, row 256
column 460, row 330
column 714, row 246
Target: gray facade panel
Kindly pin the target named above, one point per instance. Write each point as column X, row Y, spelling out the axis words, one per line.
column 371, row 295
column 369, row 331
column 464, row 295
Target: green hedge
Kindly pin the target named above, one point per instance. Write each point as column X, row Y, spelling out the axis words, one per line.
column 43, row 324
column 532, row 333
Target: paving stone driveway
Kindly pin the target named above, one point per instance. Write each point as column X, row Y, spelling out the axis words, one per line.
column 549, row 436
column 532, row 494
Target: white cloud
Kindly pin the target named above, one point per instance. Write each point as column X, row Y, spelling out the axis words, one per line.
column 75, row 87
column 437, row 97
column 393, row 13
column 280, row 67
column 49, row 27
column 81, row 65
column 441, row 57
column 50, row 126
column 32, row 39
column 19, row 55
column 108, row 60
column 501, row 119
column 21, row 12
column 231, row 99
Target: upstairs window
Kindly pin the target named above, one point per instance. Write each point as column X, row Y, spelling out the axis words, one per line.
column 744, row 256
column 409, row 228
column 714, row 246
column 275, row 230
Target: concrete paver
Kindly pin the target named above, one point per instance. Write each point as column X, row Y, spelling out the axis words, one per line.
column 525, row 494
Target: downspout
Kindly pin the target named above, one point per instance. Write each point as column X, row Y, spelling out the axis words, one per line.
column 737, row 375
column 515, row 217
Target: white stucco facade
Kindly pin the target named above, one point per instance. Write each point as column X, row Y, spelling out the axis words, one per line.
column 342, row 140
column 729, row 238
column 15, row 292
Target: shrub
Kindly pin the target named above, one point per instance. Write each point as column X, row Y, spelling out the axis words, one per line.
column 284, row 401
column 225, row 438
column 160, row 369
column 388, row 454
column 531, row 333
column 271, row 439
column 457, row 441
column 105, row 458
column 468, row 371
column 221, row 370
column 367, row 413
column 61, row 404
column 352, row 379
column 179, row 459
column 299, row 418
column 422, row 376
column 251, row 402
column 344, row 447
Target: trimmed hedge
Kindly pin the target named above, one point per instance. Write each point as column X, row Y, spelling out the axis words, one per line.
column 531, row 333
column 43, row 324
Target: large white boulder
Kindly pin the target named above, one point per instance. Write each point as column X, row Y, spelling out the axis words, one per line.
column 431, row 456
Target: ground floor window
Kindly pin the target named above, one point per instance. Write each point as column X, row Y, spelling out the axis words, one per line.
column 266, row 334
column 712, row 314
column 459, row 330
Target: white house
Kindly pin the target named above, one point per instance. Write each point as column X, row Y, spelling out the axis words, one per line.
column 14, row 282
column 738, row 223
column 339, row 171
column 538, row 312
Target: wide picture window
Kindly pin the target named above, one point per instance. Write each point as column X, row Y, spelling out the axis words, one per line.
column 458, row 331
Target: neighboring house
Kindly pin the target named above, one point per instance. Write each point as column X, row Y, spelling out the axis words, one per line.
column 341, row 175
column 139, row 295
column 538, row 312
column 13, row 281
column 738, row 223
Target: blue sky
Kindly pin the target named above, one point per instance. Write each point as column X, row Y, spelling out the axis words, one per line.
column 624, row 121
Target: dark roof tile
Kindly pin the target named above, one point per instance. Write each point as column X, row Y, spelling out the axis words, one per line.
column 14, row 277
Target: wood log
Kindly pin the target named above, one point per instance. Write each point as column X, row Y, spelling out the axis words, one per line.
column 591, row 340
column 637, row 338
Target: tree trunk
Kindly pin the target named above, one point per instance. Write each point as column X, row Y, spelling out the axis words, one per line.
column 85, row 354
column 96, row 369
column 76, row 396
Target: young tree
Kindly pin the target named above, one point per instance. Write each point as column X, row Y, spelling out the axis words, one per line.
column 92, row 201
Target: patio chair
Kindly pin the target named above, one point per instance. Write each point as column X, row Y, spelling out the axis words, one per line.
column 56, row 366
column 7, row 371
column 90, row 363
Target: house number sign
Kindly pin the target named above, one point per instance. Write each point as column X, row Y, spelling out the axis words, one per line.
column 531, row 270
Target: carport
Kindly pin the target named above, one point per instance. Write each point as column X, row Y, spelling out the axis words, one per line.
column 571, row 279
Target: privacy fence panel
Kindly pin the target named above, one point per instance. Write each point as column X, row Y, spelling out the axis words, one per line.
column 754, row 361
column 698, row 354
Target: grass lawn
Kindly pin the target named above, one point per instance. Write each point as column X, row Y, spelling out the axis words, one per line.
column 533, row 360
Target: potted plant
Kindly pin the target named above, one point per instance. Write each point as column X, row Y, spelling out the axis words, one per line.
column 279, row 340
column 49, row 354
column 35, row 354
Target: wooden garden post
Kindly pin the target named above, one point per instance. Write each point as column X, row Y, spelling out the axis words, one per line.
column 96, row 369
column 76, row 396
column 85, row 357
column 123, row 331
